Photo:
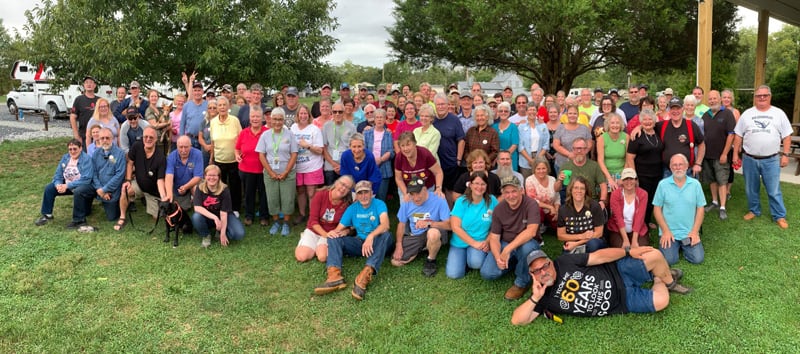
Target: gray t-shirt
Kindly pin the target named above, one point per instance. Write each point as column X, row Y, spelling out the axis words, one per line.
column 336, row 138
column 288, row 120
column 281, row 145
column 762, row 132
column 567, row 137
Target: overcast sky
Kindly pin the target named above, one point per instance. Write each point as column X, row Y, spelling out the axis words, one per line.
column 362, row 28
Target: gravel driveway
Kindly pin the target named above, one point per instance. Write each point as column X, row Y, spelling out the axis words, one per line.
column 31, row 128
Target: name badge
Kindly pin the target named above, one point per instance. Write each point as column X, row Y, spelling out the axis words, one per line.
column 336, row 155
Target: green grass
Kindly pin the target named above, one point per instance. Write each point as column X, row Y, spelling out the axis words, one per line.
column 63, row 291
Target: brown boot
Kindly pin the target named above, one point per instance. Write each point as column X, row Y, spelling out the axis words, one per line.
column 362, row 280
column 335, row 281
column 514, row 293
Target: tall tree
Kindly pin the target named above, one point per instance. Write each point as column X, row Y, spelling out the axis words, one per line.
column 268, row 41
column 552, row 42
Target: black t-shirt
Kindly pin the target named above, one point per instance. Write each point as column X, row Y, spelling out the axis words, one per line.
column 214, row 203
column 676, row 140
column 648, row 150
column 581, row 290
column 493, row 188
column 717, row 129
column 148, row 171
column 580, row 221
column 83, row 107
column 315, row 112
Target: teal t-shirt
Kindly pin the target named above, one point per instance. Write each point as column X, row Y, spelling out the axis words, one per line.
column 679, row 205
column 475, row 219
column 364, row 220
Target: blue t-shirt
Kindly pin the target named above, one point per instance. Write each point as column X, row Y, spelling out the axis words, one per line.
column 364, row 220
column 192, row 117
column 452, row 132
column 434, row 209
column 183, row 173
column 679, row 205
column 475, row 219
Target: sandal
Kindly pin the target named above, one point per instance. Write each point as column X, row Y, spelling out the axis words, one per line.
column 120, row 224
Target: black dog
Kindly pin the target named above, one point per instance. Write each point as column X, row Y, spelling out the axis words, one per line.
column 174, row 218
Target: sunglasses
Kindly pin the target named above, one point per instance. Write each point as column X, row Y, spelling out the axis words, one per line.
column 337, row 112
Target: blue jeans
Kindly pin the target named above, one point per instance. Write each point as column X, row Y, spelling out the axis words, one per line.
column 693, row 254
column 768, row 170
column 490, row 271
column 383, row 190
column 49, row 198
column 202, row 224
column 351, row 246
column 82, row 204
column 593, row 245
column 458, row 259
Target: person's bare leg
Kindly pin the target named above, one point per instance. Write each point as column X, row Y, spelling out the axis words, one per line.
column 434, row 242
column 656, row 264
column 660, row 295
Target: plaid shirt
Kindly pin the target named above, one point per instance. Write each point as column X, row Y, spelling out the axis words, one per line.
column 486, row 140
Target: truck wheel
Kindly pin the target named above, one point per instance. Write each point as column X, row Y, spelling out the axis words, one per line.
column 52, row 111
column 12, row 108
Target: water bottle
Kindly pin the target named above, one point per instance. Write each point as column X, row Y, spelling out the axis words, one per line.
column 21, row 115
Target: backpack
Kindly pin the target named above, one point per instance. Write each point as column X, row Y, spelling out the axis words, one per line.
column 691, row 138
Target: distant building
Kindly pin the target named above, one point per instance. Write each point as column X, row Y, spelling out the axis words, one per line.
column 498, row 83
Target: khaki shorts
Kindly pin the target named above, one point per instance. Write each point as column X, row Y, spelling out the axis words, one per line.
column 412, row 245
column 715, row 172
column 150, row 200
column 311, row 240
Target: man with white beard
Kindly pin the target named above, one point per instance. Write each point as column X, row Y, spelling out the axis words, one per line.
column 679, row 209
column 109, row 166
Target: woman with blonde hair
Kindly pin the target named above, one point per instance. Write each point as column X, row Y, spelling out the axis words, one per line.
column 212, row 208
column 103, row 117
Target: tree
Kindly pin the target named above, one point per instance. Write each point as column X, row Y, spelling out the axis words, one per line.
column 552, row 42
column 268, row 41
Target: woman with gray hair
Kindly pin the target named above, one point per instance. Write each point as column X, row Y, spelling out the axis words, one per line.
column 359, row 163
column 644, row 155
column 427, row 135
column 277, row 150
column 481, row 135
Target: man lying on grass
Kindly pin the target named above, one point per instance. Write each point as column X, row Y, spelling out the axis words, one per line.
column 605, row 282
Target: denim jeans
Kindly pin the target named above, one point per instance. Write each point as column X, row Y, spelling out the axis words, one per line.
column 490, row 271
column 768, row 170
column 458, row 259
column 383, row 190
column 202, row 224
column 593, row 245
column 82, row 204
column 49, row 198
column 338, row 247
column 693, row 254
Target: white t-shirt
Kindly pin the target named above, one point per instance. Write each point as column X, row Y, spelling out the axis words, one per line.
column 518, row 119
column 762, row 132
column 308, row 161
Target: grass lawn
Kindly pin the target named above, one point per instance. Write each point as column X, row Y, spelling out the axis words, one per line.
column 63, row 291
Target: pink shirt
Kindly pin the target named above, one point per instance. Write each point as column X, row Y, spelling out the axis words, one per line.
column 403, row 127
column 246, row 143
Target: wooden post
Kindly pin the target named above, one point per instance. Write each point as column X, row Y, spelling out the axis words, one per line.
column 705, row 9
column 796, row 111
column 761, row 48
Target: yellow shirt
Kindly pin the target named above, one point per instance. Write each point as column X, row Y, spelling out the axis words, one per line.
column 223, row 136
column 429, row 140
column 582, row 119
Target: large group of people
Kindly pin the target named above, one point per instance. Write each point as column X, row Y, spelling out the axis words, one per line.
column 474, row 173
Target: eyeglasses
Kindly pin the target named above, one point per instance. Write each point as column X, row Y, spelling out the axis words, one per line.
column 149, row 137
column 540, row 269
column 503, row 110
column 104, row 138
column 212, row 176
column 337, row 112
column 73, row 149
column 212, row 107
column 369, row 112
column 578, row 147
column 762, row 96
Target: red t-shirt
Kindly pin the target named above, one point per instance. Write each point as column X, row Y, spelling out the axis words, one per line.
column 425, row 161
column 403, row 127
column 246, row 143
column 323, row 212
column 393, row 128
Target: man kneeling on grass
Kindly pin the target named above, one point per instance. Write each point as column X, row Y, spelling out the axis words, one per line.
column 605, row 282
column 370, row 218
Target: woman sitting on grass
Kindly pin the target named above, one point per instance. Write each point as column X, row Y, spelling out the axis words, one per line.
column 327, row 208
column 580, row 220
column 212, row 208
column 470, row 220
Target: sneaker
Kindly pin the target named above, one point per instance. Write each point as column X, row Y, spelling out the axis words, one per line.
column 514, row 293
column 274, row 229
column 782, row 223
column 677, row 274
column 43, row 220
column 285, row 230
column 723, row 214
column 679, row 288
column 76, row 224
column 749, row 216
column 206, row 241
column 236, row 214
column 429, row 269
column 711, row 206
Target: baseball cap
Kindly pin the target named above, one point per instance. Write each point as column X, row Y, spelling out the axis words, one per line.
column 131, row 111
column 134, row 84
column 326, row 86
column 628, row 173
column 668, row 91
column 643, row 86
column 508, row 88
column 291, row 91
column 599, row 89
column 344, row 86
column 453, row 85
column 381, row 90
column 466, row 93
column 211, row 94
column 534, row 255
column 227, row 88
column 197, row 83
column 415, row 185
column 675, row 102
column 613, row 90
column 363, row 186
column 510, row 181
column 89, row 77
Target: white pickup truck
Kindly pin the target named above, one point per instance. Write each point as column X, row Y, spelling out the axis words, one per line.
column 35, row 94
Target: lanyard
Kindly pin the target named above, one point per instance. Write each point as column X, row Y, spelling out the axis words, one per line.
column 275, row 144
column 335, row 137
